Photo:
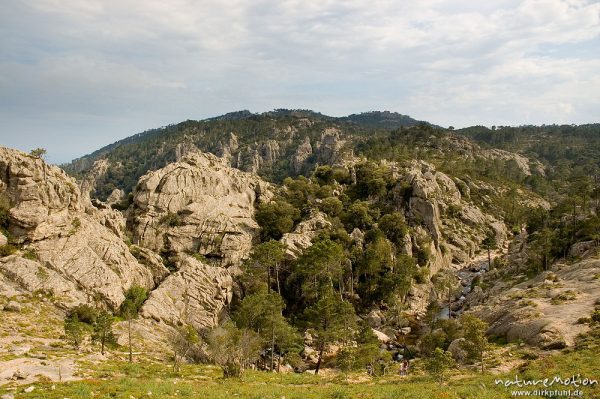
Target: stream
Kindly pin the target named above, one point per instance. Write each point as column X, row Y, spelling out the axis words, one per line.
column 466, row 276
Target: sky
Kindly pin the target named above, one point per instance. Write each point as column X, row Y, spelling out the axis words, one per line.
column 76, row 75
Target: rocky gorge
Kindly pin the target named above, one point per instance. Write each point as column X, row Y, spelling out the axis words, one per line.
column 186, row 230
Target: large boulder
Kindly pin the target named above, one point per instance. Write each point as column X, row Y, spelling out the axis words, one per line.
column 195, row 294
column 303, row 152
column 301, row 237
column 456, row 347
column 580, row 248
column 66, row 246
column 39, row 198
column 545, row 310
column 199, row 205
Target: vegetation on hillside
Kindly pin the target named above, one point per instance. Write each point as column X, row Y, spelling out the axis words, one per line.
column 320, row 300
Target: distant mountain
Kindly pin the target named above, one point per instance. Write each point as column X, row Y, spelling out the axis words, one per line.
column 270, row 143
column 289, row 142
column 373, row 119
column 382, row 120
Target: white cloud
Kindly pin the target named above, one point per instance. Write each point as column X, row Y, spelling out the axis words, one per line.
column 154, row 62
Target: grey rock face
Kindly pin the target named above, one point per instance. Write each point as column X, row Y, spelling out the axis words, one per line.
column 303, row 152
column 39, row 197
column 456, row 348
column 303, row 234
column 72, row 249
column 529, row 311
column 437, row 203
column 77, row 252
column 196, row 294
column 199, row 205
column 330, row 146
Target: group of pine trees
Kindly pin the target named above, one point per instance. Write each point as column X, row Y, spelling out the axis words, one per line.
column 97, row 323
column 322, row 295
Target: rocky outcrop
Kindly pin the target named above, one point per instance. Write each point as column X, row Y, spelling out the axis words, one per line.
column 195, row 294
column 227, row 149
column 115, row 196
column 77, row 252
column 96, row 260
column 446, row 229
column 303, row 234
column 66, row 245
column 456, row 226
column 543, row 311
column 185, row 147
column 470, row 150
column 39, row 198
column 199, row 205
column 32, row 276
column 97, row 171
column 330, row 146
column 303, row 152
column 152, row 261
column 581, row 248
column 250, row 158
column 520, row 161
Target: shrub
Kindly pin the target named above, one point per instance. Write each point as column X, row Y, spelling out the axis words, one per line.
column 439, row 363
column 276, row 218
column 134, row 299
column 332, row 206
column 30, row 254
column 75, row 331
column 83, row 313
column 565, row 296
column 233, row 349
column 171, row 219
column 7, row 249
column 3, row 219
column 422, row 275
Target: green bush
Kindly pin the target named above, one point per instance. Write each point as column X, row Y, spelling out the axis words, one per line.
column 75, row 331
column 171, row 219
column 332, row 206
column 3, row 218
column 276, row 218
column 565, row 296
column 7, row 249
column 83, row 313
column 422, row 275
column 134, row 299
column 30, row 254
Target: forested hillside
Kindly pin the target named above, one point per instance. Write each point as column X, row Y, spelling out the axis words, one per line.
column 264, row 143
column 296, row 241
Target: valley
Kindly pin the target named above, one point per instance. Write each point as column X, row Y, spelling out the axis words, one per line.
column 292, row 254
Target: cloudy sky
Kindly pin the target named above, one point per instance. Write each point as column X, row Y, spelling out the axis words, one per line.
column 79, row 74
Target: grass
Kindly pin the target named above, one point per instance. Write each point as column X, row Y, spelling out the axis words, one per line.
column 113, row 379
column 152, row 379
column 563, row 297
column 527, row 302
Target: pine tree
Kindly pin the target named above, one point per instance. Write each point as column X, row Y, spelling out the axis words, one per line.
column 476, row 343
column 134, row 299
column 439, row 363
column 103, row 329
column 332, row 320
